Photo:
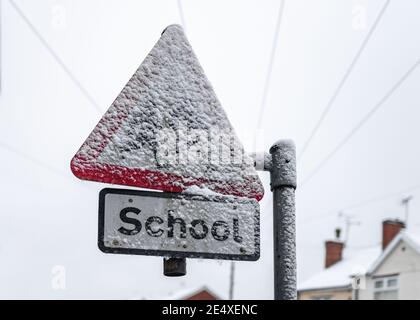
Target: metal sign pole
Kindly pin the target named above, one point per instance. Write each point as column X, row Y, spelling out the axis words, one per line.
column 281, row 163
column 283, row 185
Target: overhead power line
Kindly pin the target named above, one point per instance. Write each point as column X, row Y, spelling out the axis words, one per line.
column 343, row 81
column 364, row 203
column 270, row 64
column 38, row 162
column 381, row 198
column 32, row 159
column 56, row 57
column 361, row 123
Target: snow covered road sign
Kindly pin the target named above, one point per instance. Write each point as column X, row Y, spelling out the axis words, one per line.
column 166, row 130
column 178, row 225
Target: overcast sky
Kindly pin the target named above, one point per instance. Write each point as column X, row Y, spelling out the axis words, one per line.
column 61, row 73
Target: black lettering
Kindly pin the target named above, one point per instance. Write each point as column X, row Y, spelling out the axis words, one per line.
column 136, row 223
column 172, row 221
column 150, row 231
column 201, row 234
column 218, row 225
column 236, row 237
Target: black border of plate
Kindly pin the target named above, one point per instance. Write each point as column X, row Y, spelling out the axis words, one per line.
column 175, row 254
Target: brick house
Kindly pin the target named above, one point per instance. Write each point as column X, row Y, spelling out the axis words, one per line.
column 199, row 293
column 202, row 294
column 387, row 271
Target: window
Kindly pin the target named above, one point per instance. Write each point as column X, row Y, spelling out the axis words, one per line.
column 386, row 288
column 379, row 284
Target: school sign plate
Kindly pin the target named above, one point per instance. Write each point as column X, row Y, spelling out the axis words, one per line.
column 178, row 225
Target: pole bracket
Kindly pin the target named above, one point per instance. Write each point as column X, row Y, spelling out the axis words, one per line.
column 262, row 160
column 283, row 164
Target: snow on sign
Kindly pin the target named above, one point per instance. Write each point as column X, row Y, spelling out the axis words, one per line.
column 166, row 130
column 178, row 225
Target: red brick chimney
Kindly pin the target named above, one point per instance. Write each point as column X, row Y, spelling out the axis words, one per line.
column 390, row 228
column 333, row 252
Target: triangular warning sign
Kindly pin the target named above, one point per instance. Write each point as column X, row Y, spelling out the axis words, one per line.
column 167, row 131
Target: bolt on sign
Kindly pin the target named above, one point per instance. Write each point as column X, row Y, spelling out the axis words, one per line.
column 167, row 131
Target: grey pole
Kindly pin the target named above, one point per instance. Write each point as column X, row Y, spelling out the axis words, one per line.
column 282, row 169
column 232, row 279
column 406, row 203
column 281, row 163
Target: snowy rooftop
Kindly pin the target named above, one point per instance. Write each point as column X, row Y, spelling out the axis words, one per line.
column 355, row 261
column 414, row 236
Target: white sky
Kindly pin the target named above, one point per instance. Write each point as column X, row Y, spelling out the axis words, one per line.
column 49, row 218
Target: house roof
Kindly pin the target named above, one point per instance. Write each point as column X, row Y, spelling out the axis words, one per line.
column 409, row 236
column 190, row 292
column 339, row 275
column 358, row 261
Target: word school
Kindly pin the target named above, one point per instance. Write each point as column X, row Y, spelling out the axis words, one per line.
column 198, row 228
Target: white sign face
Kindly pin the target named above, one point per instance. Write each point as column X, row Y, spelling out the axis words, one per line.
column 178, row 225
column 167, row 131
